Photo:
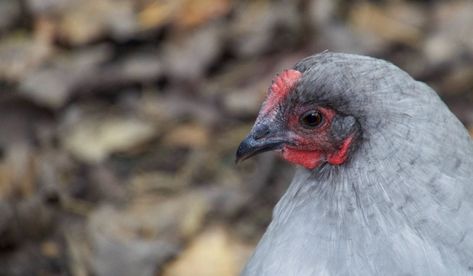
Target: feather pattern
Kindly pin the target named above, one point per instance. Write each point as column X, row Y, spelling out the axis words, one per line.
column 401, row 205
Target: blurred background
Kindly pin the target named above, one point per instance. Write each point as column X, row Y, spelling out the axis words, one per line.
column 119, row 120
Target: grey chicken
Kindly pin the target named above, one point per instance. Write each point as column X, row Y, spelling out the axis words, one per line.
column 385, row 183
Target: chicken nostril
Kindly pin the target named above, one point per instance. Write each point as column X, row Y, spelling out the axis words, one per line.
column 260, row 131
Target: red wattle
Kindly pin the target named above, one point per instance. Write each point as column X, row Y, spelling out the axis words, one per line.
column 307, row 159
column 312, row 159
column 340, row 156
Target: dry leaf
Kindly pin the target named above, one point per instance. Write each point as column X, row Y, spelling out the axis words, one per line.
column 213, row 253
column 191, row 135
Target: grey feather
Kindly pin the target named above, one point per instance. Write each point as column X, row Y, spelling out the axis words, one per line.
column 401, row 205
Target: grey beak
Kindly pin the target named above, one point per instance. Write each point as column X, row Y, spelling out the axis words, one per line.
column 259, row 140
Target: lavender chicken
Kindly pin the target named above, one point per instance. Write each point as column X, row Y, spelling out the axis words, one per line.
column 385, row 178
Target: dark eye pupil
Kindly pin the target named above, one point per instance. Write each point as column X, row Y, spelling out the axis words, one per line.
column 311, row 119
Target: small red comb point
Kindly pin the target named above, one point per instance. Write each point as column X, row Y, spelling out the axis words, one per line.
column 282, row 85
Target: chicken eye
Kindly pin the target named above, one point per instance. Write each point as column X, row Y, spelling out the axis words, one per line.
column 311, row 119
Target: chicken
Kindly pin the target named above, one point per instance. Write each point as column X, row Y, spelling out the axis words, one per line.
column 385, row 182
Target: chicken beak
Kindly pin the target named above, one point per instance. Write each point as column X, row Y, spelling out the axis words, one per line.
column 259, row 140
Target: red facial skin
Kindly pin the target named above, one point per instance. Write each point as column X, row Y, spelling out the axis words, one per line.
column 308, row 147
column 312, row 159
column 314, row 146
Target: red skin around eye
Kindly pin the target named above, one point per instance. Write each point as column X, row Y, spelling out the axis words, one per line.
column 312, row 149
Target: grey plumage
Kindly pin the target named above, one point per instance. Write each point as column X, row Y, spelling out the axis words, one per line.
column 401, row 205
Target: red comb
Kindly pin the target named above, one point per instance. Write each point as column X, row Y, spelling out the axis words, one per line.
column 282, row 85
